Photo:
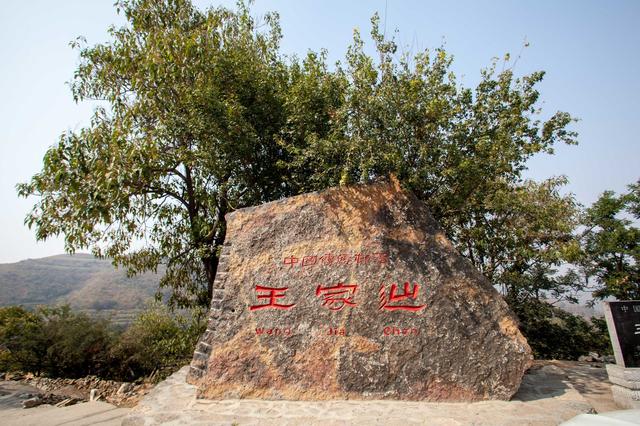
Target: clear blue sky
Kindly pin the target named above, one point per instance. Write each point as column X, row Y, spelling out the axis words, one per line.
column 589, row 50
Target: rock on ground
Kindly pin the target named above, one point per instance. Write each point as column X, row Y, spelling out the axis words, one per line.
column 353, row 293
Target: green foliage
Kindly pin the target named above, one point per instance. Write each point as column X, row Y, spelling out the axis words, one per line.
column 206, row 116
column 194, row 107
column 157, row 340
column 555, row 334
column 21, row 340
column 409, row 116
column 76, row 344
column 57, row 342
column 54, row 342
column 611, row 244
column 461, row 150
column 517, row 237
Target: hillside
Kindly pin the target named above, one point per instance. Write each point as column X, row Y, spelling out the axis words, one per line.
column 86, row 283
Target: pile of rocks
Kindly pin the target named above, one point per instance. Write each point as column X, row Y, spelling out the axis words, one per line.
column 33, row 400
column 595, row 357
column 70, row 391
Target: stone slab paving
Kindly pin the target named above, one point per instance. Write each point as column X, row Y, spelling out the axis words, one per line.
column 546, row 397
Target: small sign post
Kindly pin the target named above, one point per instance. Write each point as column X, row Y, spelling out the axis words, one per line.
column 623, row 322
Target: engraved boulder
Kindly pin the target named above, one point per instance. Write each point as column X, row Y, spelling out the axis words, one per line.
column 353, row 293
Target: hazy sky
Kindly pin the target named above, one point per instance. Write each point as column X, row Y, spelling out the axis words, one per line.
column 589, row 50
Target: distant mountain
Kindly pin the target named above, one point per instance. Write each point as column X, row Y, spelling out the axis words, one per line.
column 83, row 281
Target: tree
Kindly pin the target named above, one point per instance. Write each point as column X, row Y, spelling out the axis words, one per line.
column 555, row 334
column 21, row 340
column 157, row 341
column 194, row 110
column 460, row 150
column 54, row 341
column 206, row 116
column 611, row 244
column 75, row 345
column 518, row 237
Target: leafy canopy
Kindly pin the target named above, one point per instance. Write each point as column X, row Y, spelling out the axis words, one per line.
column 611, row 244
column 194, row 108
column 203, row 115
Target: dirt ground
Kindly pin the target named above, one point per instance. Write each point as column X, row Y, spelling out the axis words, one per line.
column 87, row 413
column 590, row 379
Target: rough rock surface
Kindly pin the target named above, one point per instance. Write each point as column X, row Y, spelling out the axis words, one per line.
column 353, row 293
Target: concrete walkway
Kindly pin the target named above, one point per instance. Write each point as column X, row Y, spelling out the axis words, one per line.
column 546, row 397
column 88, row 413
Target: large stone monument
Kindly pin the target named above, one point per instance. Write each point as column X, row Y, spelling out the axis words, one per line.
column 623, row 322
column 353, row 293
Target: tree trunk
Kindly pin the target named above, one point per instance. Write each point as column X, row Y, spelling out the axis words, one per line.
column 211, row 262
column 210, row 267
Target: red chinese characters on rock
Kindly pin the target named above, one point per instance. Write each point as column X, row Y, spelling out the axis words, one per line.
column 273, row 294
column 394, row 296
column 291, row 261
column 333, row 259
column 309, row 261
column 337, row 296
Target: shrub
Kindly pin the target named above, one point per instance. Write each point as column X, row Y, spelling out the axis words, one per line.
column 76, row 344
column 555, row 334
column 157, row 343
column 57, row 342
column 21, row 340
